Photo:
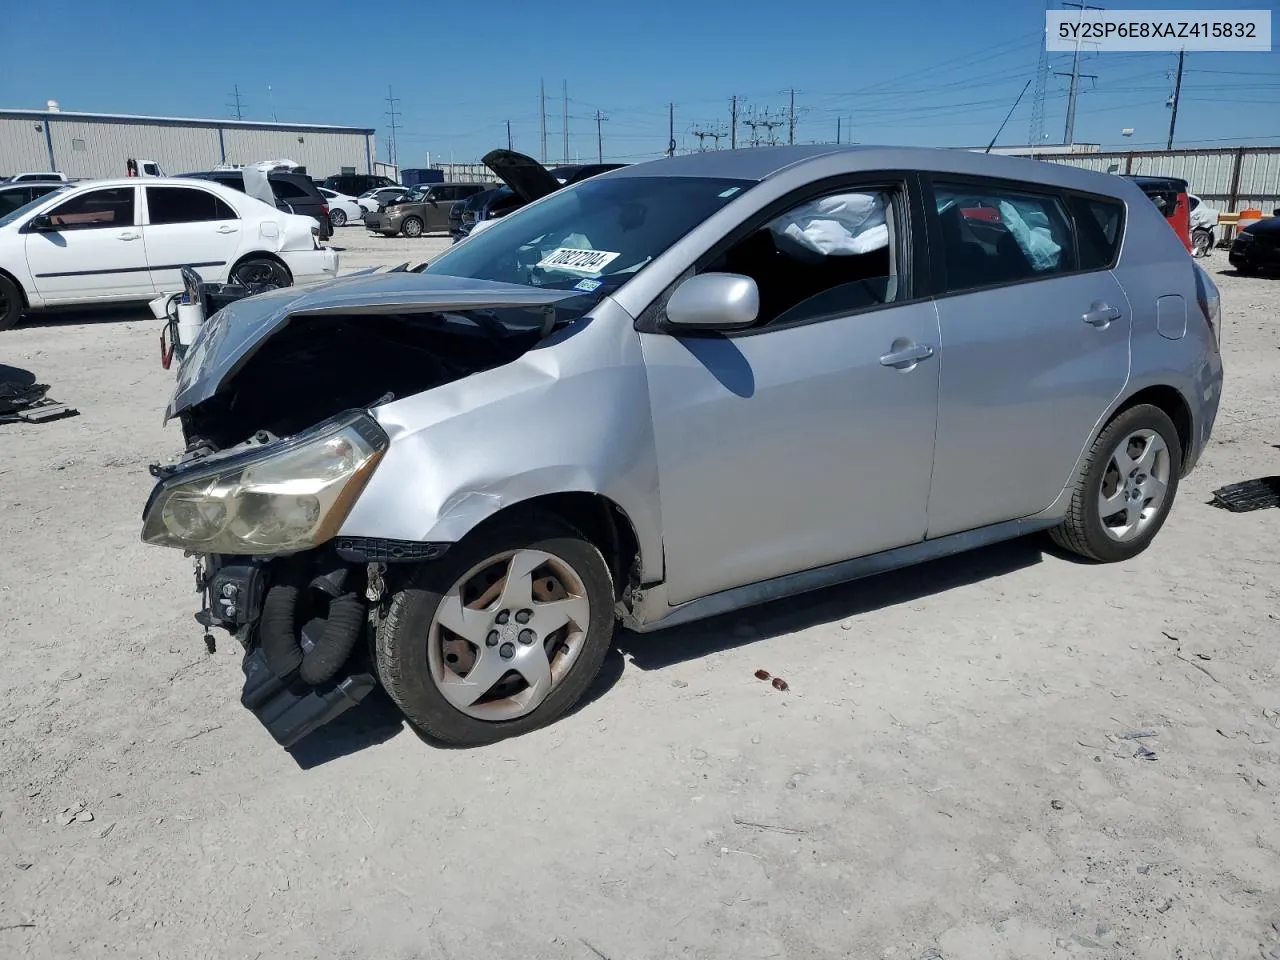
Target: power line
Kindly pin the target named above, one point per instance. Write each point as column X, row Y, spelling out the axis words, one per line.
column 671, row 129
column 565, row 119
column 542, row 103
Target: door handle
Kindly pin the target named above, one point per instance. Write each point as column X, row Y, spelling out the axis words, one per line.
column 128, row 236
column 1100, row 314
column 907, row 355
column 227, row 229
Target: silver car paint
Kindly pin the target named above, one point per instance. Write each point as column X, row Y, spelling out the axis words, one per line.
column 744, row 472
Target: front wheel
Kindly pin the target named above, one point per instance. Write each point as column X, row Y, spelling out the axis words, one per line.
column 1201, row 243
column 1125, row 489
column 412, row 227
column 502, row 635
column 261, row 270
column 338, row 217
column 10, row 304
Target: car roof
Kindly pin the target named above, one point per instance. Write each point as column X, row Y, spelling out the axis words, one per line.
column 761, row 163
column 28, row 184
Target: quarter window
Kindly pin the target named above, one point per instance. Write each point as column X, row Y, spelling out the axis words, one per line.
column 993, row 236
column 1099, row 227
column 287, row 190
column 834, row 255
column 97, row 208
column 185, row 205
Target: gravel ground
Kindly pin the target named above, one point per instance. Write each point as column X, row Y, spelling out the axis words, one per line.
column 952, row 773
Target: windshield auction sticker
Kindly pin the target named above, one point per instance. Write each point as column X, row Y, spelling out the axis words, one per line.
column 577, row 261
column 1114, row 30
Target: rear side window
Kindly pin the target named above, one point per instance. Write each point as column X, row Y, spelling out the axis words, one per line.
column 993, row 236
column 185, row 205
column 288, row 190
column 1099, row 229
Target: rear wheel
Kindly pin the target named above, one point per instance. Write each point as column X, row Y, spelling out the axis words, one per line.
column 412, row 227
column 502, row 635
column 1201, row 243
column 254, row 270
column 10, row 304
column 1125, row 489
column 338, row 217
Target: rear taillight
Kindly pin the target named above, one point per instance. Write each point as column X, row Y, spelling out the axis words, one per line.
column 324, row 207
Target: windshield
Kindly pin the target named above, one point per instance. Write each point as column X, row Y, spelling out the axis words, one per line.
column 27, row 208
column 591, row 237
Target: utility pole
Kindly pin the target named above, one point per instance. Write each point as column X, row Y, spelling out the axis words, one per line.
column 509, row 147
column 600, row 118
column 391, row 148
column 733, row 124
column 238, row 106
column 565, row 117
column 837, row 131
column 671, row 129
column 542, row 100
column 1075, row 76
column 791, row 119
column 1177, row 92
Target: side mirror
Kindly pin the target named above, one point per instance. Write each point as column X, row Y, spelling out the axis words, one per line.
column 41, row 224
column 715, row 301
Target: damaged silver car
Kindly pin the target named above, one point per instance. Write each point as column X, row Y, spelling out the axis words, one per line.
column 667, row 392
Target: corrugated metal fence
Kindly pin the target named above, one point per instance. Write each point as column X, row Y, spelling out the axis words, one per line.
column 1228, row 178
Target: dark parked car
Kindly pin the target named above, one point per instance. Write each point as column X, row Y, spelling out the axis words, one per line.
column 526, row 180
column 425, row 209
column 15, row 195
column 354, row 184
column 294, row 192
column 1257, row 246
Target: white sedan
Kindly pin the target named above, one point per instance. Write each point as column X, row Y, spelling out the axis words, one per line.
column 374, row 200
column 111, row 241
column 342, row 208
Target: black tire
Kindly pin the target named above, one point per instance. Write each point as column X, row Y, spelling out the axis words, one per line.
column 338, row 217
column 259, row 269
column 1201, row 243
column 1082, row 531
column 11, row 304
column 1247, row 269
column 412, row 227
column 403, row 636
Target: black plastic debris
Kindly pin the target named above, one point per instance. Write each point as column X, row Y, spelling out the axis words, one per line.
column 27, row 403
column 1249, row 495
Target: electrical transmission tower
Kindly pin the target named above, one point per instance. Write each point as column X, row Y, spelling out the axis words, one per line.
column 237, row 104
column 1068, row 135
column 1035, row 135
column 766, row 121
column 391, row 139
column 704, row 132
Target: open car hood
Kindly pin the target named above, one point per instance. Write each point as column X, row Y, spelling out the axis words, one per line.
column 529, row 179
column 238, row 330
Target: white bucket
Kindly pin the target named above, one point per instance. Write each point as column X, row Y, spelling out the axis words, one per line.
column 190, row 320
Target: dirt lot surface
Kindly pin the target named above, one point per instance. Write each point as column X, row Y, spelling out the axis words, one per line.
column 1003, row 755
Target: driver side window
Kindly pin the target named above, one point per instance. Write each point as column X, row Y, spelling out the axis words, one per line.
column 97, row 208
column 830, row 256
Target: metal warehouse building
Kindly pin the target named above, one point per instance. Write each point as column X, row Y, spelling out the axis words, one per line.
column 98, row 144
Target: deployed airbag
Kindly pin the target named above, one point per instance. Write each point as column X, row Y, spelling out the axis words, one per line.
column 844, row 224
column 1035, row 241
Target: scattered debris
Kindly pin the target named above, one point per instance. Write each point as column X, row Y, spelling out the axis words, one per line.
column 69, row 675
column 1137, row 734
column 770, row 827
column 679, row 684
column 27, row 403
column 846, row 625
column 16, row 926
column 1057, row 804
column 75, row 813
column 1144, row 754
column 1249, row 495
column 1164, row 907
column 762, row 674
column 23, row 864
column 594, row 949
column 107, row 832
column 780, row 684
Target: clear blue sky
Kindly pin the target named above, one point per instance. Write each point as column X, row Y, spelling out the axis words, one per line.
column 930, row 72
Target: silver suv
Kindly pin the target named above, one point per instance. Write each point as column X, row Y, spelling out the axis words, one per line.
column 670, row 391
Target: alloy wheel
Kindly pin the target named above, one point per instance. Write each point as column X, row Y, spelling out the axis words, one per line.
column 507, row 633
column 1134, row 486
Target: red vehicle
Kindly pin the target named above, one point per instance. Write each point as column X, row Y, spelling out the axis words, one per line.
column 1169, row 194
